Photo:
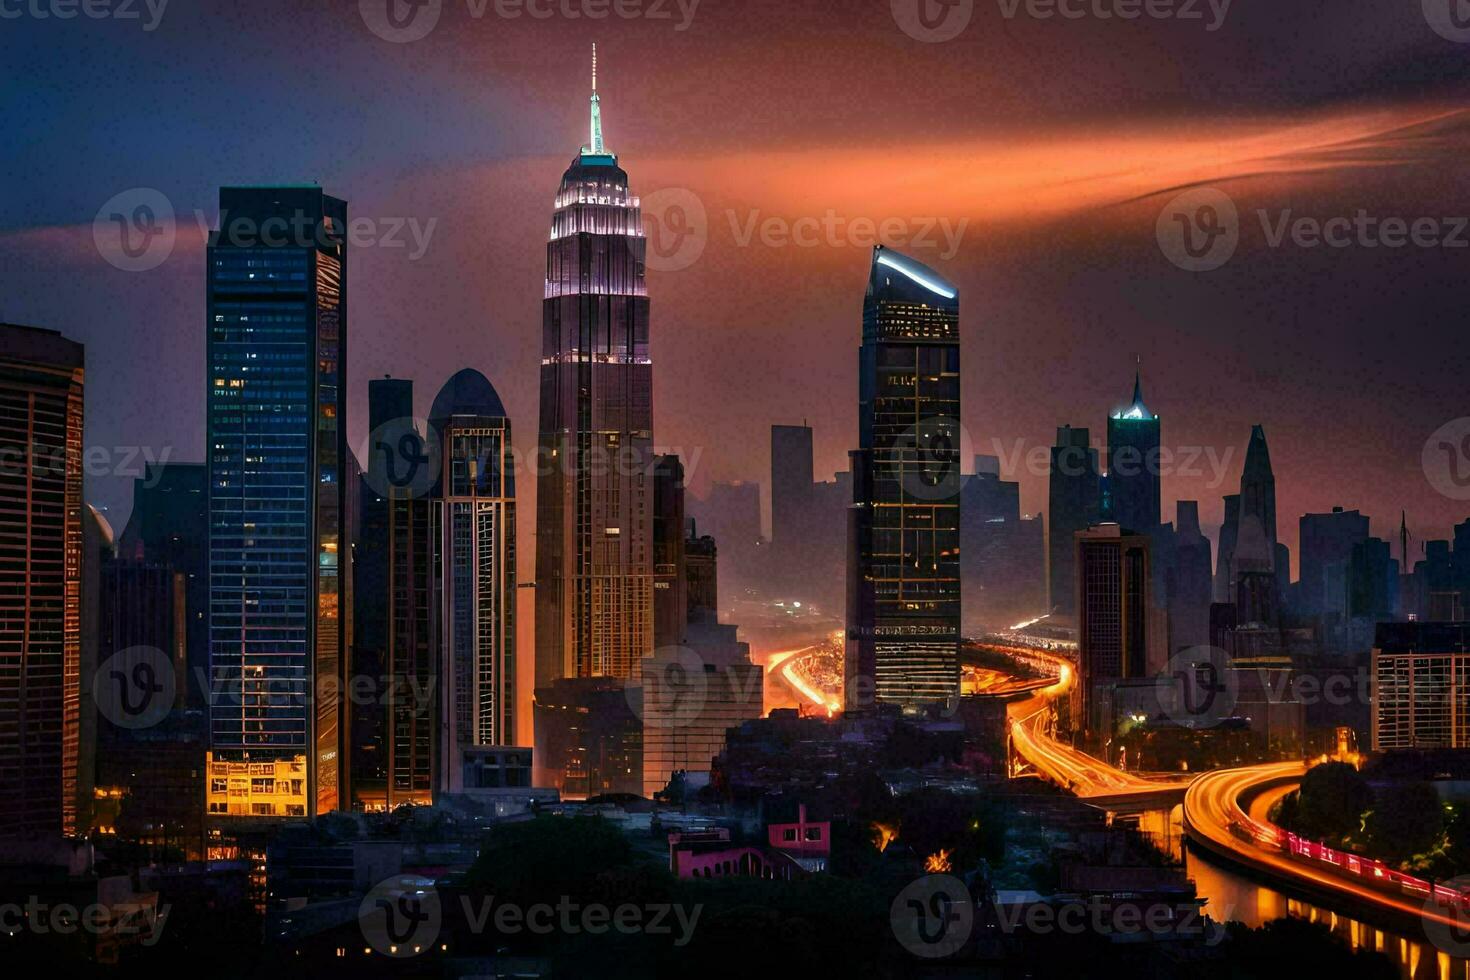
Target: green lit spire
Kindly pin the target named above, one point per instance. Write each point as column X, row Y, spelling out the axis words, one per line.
column 595, row 146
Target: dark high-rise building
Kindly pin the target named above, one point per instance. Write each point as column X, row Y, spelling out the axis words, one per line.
column 594, row 499
column 393, row 596
column 1074, row 500
column 1258, row 488
column 903, row 567
column 1133, row 465
column 169, row 526
column 1225, row 564
column 1327, row 542
column 41, row 382
column 1113, row 607
column 475, row 572
column 701, row 576
column 278, row 502
column 1002, row 556
column 1373, row 581
column 791, row 493
column 670, row 582
column 1189, row 582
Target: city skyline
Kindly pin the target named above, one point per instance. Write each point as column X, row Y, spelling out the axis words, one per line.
column 1031, row 266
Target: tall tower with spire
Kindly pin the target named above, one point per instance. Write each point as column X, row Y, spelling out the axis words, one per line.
column 1133, row 464
column 594, row 521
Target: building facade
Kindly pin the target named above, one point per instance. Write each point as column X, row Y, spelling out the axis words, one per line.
column 1113, row 607
column 1074, row 501
column 41, row 390
column 1421, row 686
column 594, row 499
column 903, row 572
column 474, row 571
column 277, row 502
column 1133, row 465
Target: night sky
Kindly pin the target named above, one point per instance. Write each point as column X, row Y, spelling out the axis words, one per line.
column 1054, row 144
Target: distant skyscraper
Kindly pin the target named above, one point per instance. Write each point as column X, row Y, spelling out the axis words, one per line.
column 1420, row 695
column 276, row 440
column 1225, row 563
column 1133, row 465
column 1074, row 501
column 702, row 576
column 1327, row 542
column 1258, row 486
column 169, row 526
column 791, row 493
column 475, row 571
column 903, row 567
column 393, row 734
column 670, row 582
column 594, row 500
column 1113, row 607
column 41, row 381
column 1189, row 581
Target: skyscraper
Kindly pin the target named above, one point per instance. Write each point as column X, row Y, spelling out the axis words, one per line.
column 1327, row 542
column 393, row 595
column 1133, row 464
column 594, row 499
column 475, row 560
column 276, row 439
column 41, row 380
column 1113, row 605
column 1074, row 501
column 903, row 567
column 670, row 581
column 791, row 496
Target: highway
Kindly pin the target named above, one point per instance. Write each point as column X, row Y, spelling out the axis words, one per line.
column 1214, row 819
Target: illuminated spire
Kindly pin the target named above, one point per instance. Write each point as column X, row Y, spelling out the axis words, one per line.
column 595, row 146
column 1137, row 410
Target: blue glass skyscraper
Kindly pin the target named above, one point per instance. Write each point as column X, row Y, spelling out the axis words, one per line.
column 277, row 361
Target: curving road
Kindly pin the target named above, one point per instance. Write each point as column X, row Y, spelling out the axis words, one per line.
column 1215, row 819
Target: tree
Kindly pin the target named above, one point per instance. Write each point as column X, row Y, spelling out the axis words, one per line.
column 1407, row 821
column 1331, row 801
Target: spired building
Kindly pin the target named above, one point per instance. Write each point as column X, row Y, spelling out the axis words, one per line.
column 1133, row 465
column 41, row 381
column 475, row 557
column 594, row 494
column 277, row 502
column 903, row 567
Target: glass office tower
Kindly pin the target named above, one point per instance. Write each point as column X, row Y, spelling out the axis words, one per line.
column 1133, row 465
column 903, row 569
column 277, row 363
column 475, row 572
column 594, row 522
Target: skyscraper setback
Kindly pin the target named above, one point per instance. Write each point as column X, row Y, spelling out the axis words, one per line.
column 903, row 567
column 276, row 441
column 594, row 542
